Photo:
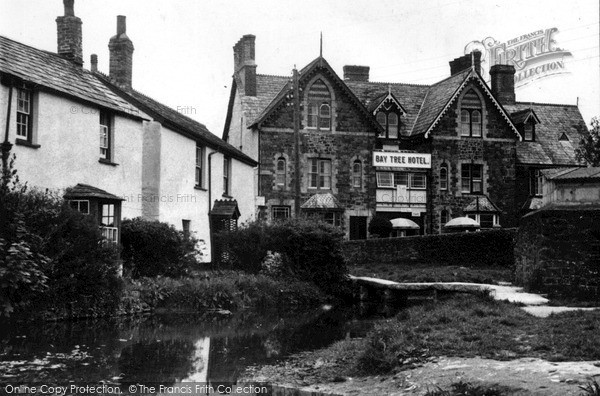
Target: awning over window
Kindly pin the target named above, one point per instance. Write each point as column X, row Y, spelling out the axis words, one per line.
column 85, row 191
column 226, row 208
column 481, row 204
column 322, row 201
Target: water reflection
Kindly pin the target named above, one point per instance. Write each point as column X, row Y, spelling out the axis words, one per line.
column 170, row 348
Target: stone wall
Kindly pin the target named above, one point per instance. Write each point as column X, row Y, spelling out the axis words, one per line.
column 473, row 249
column 557, row 252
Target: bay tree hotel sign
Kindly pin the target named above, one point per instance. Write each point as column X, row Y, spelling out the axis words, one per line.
column 534, row 55
column 401, row 160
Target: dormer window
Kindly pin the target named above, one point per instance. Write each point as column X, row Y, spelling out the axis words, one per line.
column 319, row 107
column 529, row 131
column 470, row 115
column 390, row 123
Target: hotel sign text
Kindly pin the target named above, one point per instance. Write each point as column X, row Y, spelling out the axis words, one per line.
column 402, row 160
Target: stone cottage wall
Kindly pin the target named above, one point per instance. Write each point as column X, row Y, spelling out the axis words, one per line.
column 558, row 252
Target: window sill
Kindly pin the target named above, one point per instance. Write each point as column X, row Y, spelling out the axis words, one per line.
column 107, row 162
column 26, row 143
column 227, row 196
column 197, row 187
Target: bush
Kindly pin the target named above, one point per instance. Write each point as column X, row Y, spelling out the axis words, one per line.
column 308, row 250
column 152, row 248
column 51, row 256
column 380, row 227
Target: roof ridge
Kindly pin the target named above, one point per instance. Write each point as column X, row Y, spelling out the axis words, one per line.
column 449, row 77
column 393, row 83
column 547, row 104
column 273, row 75
column 168, row 107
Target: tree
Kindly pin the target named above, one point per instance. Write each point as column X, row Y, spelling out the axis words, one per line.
column 380, row 227
column 589, row 145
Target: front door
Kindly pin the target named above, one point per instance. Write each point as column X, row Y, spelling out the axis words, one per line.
column 358, row 227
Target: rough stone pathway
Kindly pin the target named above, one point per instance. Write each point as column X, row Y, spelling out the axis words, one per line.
column 533, row 303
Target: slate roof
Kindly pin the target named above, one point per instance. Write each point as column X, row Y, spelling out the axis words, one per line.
column 410, row 97
column 554, row 120
column 322, row 201
column 225, row 207
column 87, row 191
column 50, row 71
column 573, row 174
column 424, row 105
column 173, row 119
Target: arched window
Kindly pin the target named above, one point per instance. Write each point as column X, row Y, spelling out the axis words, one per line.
column 319, row 106
column 443, row 177
column 382, row 119
column 390, row 123
column 357, row 174
column 392, row 126
column 280, row 172
column 470, row 115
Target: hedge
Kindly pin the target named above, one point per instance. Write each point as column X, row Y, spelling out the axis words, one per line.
column 473, row 249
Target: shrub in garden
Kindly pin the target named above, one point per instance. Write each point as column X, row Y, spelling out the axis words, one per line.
column 305, row 249
column 50, row 255
column 152, row 248
column 380, row 227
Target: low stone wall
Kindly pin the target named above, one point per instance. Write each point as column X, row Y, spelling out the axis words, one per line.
column 557, row 252
column 473, row 249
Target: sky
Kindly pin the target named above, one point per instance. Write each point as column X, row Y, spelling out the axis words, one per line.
column 184, row 57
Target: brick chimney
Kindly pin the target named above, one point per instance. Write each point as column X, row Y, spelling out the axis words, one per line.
column 356, row 73
column 121, row 55
column 464, row 62
column 243, row 63
column 503, row 83
column 69, row 34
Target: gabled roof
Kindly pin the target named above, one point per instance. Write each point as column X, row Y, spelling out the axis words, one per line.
column 443, row 94
column 322, row 201
column 521, row 116
column 226, row 208
column 554, row 121
column 381, row 102
column 86, row 191
column 176, row 121
column 303, row 75
column 50, row 71
column 410, row 97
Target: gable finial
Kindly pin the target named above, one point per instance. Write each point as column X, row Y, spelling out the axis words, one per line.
column 473, row 60
column 321, row 46
column 389, row 89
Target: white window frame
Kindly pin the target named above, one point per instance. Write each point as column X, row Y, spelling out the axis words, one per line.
column 105, row 135
column 317, row 178
column 286, row 210
column 199, row 167
column 24, row 111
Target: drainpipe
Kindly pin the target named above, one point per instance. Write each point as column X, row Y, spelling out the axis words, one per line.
column 212, row 258
column 6, row 145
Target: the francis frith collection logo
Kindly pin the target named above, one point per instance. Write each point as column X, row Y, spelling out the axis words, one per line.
column 534, row 55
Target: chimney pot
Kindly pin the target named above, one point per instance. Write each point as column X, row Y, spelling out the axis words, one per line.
column 356, row 73
column 69, row 37
column 121, row 25
column 69, row 7
column 121, row 55
column 94, row 62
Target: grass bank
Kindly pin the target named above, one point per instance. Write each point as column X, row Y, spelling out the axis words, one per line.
column 218, row 290
column 459, row 326
column 431, row 273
